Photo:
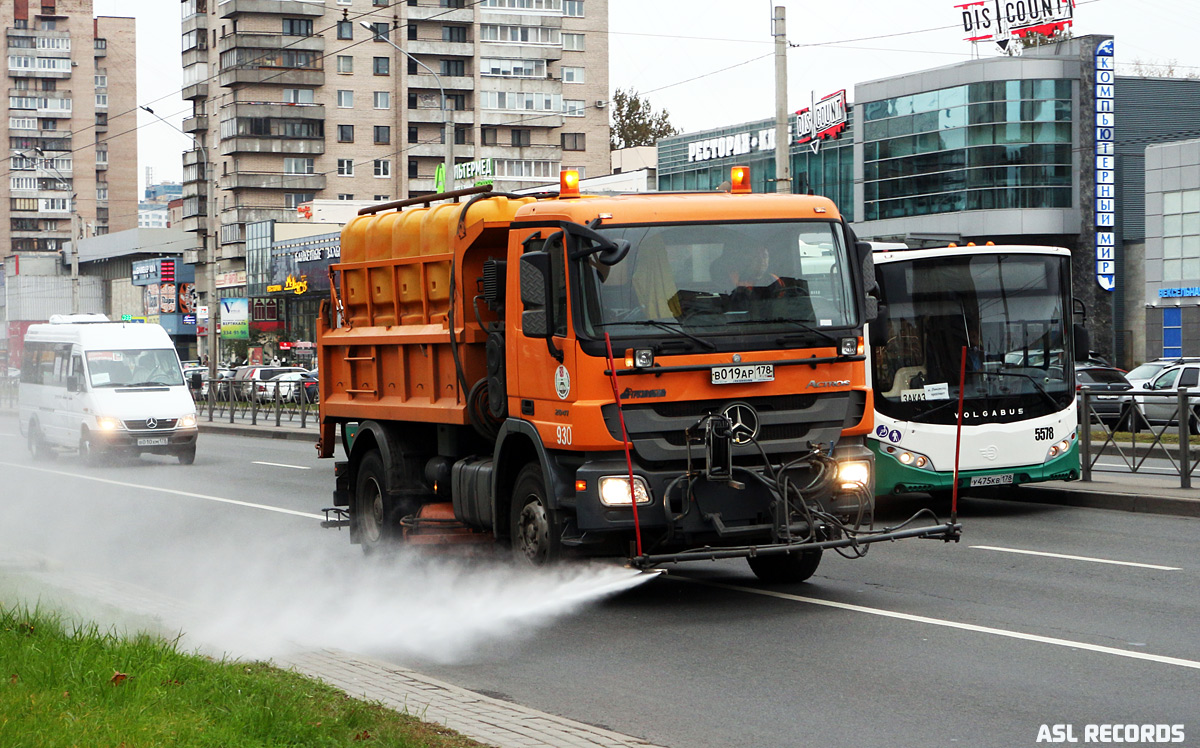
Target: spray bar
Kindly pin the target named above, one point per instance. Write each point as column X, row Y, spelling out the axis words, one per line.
column 949, row 531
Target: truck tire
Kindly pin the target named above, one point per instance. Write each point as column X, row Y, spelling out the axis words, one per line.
column 785, row 568
column 535, row 526
column 374, row 514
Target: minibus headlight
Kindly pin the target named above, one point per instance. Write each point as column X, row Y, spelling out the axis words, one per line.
column 614, row 490
column 107, row 423
column 187, row 421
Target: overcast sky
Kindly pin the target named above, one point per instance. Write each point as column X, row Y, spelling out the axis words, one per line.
column 708, row 62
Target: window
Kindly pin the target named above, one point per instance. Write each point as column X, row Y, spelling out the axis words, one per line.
column 461, row 134
column 382, row 197
column 345, row 99
column 383, row 66
column 101, row 81
column 383, row 167
column 345, row 167
column 572, row 75
column 412, row 174
column 507, row 68
column 412, row 100
column 383, row 100
column 102, row 99
column 23, row 123
column 539, row 102
column 294, row 165
column 345, row 29
column 457, row 102
column 454, row 67
column 293, row 199
column 520, row 137
column 383, row 134
column 488, row 135
column 1172, row 325
column 297, row 27
column 490, row 32
column 573, row 8
column 572, row 42
column 345, row 64
column 345, row 196
column 414, row 134
column 412, row 67
column 412, row 32
column 345, row 133
column 23, row 183
column 573, row 107
column 380, row 31
column 454, row 33
column 297, row 96
column 24, row 203
column 573, row 141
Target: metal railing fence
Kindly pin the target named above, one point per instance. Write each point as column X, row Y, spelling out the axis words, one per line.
column 1135, row 433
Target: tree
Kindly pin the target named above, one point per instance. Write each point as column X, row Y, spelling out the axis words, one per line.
column 635, row 122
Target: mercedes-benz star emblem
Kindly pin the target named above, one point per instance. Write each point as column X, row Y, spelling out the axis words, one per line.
column 151, row 423
column 744, row 421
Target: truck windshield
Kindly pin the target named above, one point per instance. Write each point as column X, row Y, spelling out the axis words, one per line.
column 709, row 279
column 1009, row 310
column 155, row 367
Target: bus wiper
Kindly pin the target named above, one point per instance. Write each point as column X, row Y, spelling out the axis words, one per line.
column 788, row 321
column 676, row 327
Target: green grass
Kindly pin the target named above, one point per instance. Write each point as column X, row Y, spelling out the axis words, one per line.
column 65, row 684
column 1144, row 436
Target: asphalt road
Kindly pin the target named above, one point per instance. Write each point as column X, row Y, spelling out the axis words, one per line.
column 921, row 643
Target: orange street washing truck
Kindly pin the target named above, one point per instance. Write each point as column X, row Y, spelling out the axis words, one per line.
column 661, row 376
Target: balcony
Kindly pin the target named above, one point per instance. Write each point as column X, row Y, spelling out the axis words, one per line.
column 261, row 57
column 260, row 41
column 521, row 118
column 440, row 14
column 434, row 116
column 195, row 91
column 450, row 82
column 263, row 144
column 439, row 47
column 194, row 223
column 274, row 110
column 256, row 213
column 195, row 124
column 272, row 180
column 275, row 76
column 234, row 8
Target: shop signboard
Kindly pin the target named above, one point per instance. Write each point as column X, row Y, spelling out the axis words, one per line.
column 1106, row 174
column 301, row 266
column 822, row 120
column 235, row 318
column 1000, row 20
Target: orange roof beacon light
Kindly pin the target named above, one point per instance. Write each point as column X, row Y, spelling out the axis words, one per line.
column 568, row 183
column 739, row 179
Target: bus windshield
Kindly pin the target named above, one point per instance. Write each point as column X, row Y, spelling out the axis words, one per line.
column 1010, row 310
column 707, row 279
column 155, row 367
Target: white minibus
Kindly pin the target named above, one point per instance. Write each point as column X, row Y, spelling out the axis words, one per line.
column 104, row 387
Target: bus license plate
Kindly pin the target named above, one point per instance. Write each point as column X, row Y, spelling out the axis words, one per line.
column 745, row 373
column 153, row 441
column 992, row 480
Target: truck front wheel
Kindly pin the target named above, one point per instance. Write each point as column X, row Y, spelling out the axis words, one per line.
column 536, row 530
column 374, row 517
column 785, row 568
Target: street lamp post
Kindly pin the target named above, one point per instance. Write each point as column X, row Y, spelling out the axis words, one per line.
column 447, row 122
column 210, row 260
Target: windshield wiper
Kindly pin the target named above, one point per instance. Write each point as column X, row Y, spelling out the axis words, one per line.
column 1036, row 384
column 146, row 384
column 676, row 327
column 787, row 321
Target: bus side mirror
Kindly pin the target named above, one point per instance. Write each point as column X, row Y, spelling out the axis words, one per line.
column 1083, row 343
column 535, row 294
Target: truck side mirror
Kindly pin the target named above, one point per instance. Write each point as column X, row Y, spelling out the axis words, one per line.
column 1083, row 343
column 877, row 335
column 535, row 290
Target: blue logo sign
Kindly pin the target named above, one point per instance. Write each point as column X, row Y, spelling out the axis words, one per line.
column 1105, row 48
column 1105, row 176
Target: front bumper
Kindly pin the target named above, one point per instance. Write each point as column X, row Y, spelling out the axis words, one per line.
column 907, row 479
column 153, row 442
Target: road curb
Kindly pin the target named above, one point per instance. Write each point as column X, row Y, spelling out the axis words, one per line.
column 1139, row 503
column 262, row 432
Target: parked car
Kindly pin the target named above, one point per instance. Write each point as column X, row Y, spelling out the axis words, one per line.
column 246, row 380
column 1109, row 387
column 294, row 387
column 1165, row 410
column 222, row 391
column 1142, row 374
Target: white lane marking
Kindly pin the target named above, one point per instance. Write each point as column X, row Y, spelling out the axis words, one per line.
column 1076, row 558
column 1177, row 661
column 280, row 464
column 172, row 491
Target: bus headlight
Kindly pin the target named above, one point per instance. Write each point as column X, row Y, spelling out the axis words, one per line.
column 107, row 423
column 909, row 458
column 188, row 421
column 1059, row 448
column 614, row 490
column 854, row 475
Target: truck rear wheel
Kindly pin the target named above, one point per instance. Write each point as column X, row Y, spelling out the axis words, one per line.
column 784, row 568
column 374, row 514
column 536, row 530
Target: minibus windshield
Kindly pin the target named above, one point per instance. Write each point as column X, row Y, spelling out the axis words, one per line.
column 134, row 368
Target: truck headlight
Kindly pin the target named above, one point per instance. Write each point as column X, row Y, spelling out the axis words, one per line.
column 107, row 423
column 854, row 475
column 188, row 421
column 614, row 490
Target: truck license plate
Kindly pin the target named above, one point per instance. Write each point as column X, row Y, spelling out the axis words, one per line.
column 992, row 480
column 744, row 373
column 153, row 441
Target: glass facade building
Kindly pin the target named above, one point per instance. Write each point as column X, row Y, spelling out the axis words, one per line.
column 979, row 146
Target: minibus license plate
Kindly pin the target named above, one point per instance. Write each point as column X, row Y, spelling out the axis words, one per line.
column 992, row 480
column 746, row 373
column 152, row 441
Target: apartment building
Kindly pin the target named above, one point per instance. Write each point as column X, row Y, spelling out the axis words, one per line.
column 296, row 100
column 71, row 158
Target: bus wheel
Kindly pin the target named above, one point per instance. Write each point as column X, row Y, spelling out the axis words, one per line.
column 37, row 444
column 374, row 514
column 536, row 530
column 785, row 568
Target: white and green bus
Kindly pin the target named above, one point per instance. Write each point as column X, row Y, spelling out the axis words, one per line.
column 1011, row 307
